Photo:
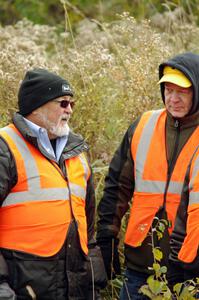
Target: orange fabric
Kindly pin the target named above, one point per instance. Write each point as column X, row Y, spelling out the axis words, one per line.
column 49, row 176
column 143, row 211
column 138, row 132
column 141, row 218
column 157, row 148
column 189, row 249
column 40, row 227
column 195, row 185
column 19, row 162
column 76, row 173
column 145, row 204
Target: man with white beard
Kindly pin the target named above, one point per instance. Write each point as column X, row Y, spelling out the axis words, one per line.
column 47, row 248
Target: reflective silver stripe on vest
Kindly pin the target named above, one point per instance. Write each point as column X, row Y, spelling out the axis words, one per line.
column 85, row 166
column 78, row 191
column 35, row 192
column 151, row 186
column 194, row 196
column 29, row 162
column 50, row 194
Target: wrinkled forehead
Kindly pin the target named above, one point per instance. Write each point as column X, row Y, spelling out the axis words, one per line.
column 169, row 85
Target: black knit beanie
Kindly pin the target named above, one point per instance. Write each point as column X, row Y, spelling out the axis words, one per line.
column 38, row 87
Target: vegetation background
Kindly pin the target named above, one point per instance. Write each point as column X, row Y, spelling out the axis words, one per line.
column 108, row 50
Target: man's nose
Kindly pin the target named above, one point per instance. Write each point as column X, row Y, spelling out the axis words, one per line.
column 174, row 96
column 68, row 108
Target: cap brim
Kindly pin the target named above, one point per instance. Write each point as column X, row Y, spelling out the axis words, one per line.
column 174, row 78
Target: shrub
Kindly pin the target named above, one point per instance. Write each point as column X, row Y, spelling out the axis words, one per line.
column 113, row 68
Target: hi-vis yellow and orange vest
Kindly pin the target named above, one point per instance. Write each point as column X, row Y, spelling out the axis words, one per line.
column 36, row 214
column 190, row 246
column 148, row 150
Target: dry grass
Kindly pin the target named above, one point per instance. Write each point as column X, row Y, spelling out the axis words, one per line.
column 112, row 67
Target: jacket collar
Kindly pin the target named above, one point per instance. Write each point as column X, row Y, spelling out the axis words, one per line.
column 185, row 122
column 74, row 145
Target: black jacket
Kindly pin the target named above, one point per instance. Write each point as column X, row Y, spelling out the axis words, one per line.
column 66, row 275
column 119, row 183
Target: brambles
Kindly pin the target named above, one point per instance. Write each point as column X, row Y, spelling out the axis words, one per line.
column 157, row 287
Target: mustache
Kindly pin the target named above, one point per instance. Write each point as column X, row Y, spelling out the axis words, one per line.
column 65, row 117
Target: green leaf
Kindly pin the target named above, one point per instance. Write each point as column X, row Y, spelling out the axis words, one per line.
column 191, row 288
column 166, row 222
column 154, row 285
column 163, row 269
column 161, row 227
column 117, row 282
column 168, row 294
column 157, row 254
column 177, row 288
column 158, row 297
column 159, row 235
column 156, row 267
column 185, row 295
column 145, row 291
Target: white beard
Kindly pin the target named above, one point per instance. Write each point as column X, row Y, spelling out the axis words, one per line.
column 59, row 130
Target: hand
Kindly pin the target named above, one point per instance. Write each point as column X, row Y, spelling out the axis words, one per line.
column 109, row 250
column 6, row 293
column 97, row 266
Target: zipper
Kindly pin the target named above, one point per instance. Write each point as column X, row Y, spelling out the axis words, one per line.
column 68, row 185
column 64, row 175
column 172, row 163
column 70, row 201
column 60, row 167
column 176, row 124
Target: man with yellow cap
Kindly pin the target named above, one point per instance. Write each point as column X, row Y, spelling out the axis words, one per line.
column 149, row 168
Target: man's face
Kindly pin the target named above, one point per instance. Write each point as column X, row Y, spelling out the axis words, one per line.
column 54, row 117
column 178, row 100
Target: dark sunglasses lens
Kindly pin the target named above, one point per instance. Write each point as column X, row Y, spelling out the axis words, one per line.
column 65, row 103
column 72, row 103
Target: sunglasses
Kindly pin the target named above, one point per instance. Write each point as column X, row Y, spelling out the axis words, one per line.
column 65, row 103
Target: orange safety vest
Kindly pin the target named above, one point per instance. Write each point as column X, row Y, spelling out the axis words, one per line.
column 150, row 168
column 36, row 214
column 190, row 246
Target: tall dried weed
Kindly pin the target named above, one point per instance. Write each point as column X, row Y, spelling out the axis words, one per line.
column 113, row 68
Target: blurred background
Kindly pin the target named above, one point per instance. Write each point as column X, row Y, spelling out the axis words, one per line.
column 108, row 50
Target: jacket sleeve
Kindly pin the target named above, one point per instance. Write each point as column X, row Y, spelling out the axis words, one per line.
column 90, row 209
column 119, row 188
column 96, row 266
column 8, row 174
column 190, row 246
column 8, row 178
